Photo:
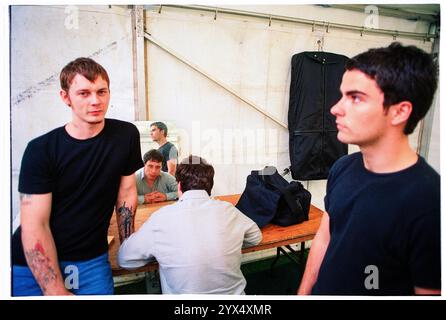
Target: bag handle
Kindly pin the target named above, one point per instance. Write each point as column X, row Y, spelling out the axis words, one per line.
column 288, row 191
column 293, row 203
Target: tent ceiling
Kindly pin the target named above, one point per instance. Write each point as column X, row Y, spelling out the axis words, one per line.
column 415, row 12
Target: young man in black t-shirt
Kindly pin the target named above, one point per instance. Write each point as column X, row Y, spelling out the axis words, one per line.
column 71, row 178
column 381, row 232
column 158, row 132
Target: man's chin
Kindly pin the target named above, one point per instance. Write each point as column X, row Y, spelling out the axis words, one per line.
column 342, row 138
column 96, row 121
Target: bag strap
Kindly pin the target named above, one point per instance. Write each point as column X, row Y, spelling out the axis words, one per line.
column 292, row 201
column 287, row 189
column 272, row 178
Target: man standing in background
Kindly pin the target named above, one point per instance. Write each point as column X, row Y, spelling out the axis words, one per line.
column 158, row 132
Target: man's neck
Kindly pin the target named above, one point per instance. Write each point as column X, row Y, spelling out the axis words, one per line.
column 162, row 141
column 83, row 131
column 389, row 156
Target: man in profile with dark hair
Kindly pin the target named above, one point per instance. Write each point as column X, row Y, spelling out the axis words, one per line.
column 158, row 132
column 196, row 241
column 380, row 234
column 154, row 185
column 71, row 178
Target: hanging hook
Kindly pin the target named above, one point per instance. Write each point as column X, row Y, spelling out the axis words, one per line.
column 312, row 28
column 270, row 21
column 215, row 16
column 328, row 25
column 159, row 11
column 395, row 34
column 362, row 30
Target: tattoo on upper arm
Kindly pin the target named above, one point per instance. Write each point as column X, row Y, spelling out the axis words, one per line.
column 125, row 221
column 25, row 199
column 39, row 263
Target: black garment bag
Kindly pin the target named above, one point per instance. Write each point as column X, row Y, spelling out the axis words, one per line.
column 313, row 144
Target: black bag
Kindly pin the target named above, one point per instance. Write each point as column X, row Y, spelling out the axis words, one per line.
column 269, row 198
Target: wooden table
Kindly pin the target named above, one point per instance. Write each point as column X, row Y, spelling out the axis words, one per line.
column 273, row 236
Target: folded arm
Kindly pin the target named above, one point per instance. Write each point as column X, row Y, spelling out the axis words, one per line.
column 136, row 251
column 253, row 235
column 172, row 190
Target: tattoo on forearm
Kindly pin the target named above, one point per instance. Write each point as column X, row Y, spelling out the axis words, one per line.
column 39, row 263
column 25, row 199
column 125, row 221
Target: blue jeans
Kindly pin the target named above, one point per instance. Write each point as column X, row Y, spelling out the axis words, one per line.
column 90, row 277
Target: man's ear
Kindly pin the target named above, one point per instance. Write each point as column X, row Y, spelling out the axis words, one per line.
column 400, row 112
column 179, row 187
column 65, row 97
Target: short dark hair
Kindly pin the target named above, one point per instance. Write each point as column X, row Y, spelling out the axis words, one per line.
column 160, row 125
column 195, row 173
column 86, row 67
column 403, row 73
column 153, row 155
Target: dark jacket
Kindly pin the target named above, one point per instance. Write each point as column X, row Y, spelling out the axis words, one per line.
column 315, row 81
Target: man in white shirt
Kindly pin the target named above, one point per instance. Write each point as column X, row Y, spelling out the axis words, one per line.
column 196, row 241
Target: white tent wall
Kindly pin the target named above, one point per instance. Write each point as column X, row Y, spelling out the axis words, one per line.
column 254, row 59
column 433, row 149
column 245, row 53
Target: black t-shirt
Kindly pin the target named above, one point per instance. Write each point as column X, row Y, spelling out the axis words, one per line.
column 83, row 177
column 390, row 222
column 169, row 151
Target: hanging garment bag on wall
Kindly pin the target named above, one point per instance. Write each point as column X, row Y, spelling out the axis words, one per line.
column 315, row 81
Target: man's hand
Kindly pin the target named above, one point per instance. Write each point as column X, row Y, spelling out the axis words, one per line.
column 148, row 198
column 155, row 196
column 61, row 292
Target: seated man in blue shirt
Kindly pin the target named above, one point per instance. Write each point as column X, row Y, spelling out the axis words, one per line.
column 153, row 184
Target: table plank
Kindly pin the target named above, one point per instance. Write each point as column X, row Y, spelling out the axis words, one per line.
column 273, row 235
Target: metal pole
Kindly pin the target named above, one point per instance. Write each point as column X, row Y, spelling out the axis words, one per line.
column 360, row 29
column 213, row 79
column 139, row 72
